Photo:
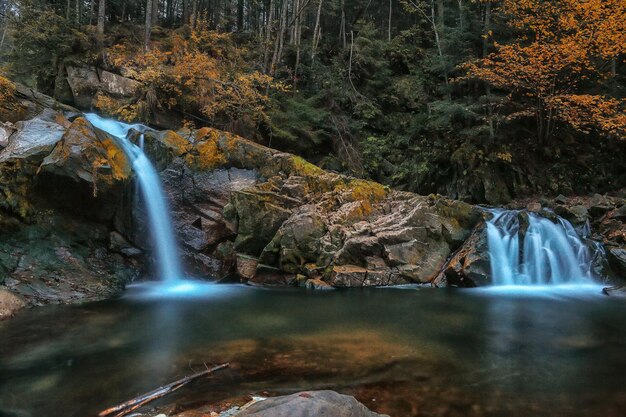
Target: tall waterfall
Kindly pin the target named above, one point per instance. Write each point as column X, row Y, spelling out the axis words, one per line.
column 547, row 253
column 168, row 265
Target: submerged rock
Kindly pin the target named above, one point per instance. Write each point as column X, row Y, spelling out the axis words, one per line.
column 309, row 404
column 9, row 304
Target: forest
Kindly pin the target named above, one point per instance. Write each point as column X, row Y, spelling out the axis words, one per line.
column 306, row 208
column 475, row 99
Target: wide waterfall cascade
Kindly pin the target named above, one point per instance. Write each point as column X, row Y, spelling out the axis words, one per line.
column 168, row 265
column 547, row 253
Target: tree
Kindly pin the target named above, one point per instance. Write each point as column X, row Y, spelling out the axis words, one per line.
column 148, row 27
column 101, row 17
column 562, row 47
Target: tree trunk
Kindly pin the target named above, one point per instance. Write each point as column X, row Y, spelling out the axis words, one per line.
column 486, row 30
column 240, row 9
column 194, row 13
column 268, row 36
column 155, row 12
column 438, row 40
column 342, row 25
column 148, row 28
column 101, row 15
column 389, row 26
column 4, row 33
column 278, row 47
column 441, row 17
column 316, row 31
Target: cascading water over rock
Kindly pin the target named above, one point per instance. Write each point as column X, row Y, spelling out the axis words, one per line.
column 546, row 253
column 169, row 268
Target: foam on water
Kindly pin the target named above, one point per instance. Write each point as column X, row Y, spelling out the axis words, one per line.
column 546, row 253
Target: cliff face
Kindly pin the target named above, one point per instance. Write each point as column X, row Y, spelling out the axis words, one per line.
column 64, row 192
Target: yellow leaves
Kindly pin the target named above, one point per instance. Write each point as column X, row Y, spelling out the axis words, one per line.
column 585, row 112
column 504, row 156
column 569, row 40
column 199, row 71
column 7, row 92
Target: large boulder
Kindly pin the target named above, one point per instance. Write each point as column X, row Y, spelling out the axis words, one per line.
column 469, row 267
column 309, row 404
column 280, row 212
column 64, row 190
column 87, row 82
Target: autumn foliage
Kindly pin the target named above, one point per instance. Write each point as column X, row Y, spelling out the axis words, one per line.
column 196, row 71
column 563, row 47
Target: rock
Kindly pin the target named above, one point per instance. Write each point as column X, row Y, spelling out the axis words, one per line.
column 297, row 240
column 246, row 266
column 86, row 82
column 619, row 213
column 577, row 215
column 615, row 291
column 33, row 138
column 309, row 404
column 617, row 260
column 9, row 304
column 266, row 275
column 560, row 199
column 469, row 267
column 6, row 130
column 317, row 284
column 119, row 244
column 534, row 206
column 348, row 276
column 84, row 155
column 54, row 231
column 260, row 214
column 599, row 205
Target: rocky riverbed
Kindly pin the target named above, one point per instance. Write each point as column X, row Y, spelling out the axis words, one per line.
column 71, row 224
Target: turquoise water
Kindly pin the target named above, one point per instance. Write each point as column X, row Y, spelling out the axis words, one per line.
column 421, row 352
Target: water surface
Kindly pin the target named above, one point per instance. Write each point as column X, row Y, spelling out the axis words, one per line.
column 406, row 352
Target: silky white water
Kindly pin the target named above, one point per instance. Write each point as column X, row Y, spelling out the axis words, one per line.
column 547, row 253
column 168, row 265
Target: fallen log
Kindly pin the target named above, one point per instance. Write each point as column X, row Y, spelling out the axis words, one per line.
column 139, row 401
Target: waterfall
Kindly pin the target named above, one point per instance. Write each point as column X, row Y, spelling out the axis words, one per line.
column 546, row 253
column 169, row 268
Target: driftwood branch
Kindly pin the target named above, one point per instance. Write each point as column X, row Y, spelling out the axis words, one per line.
column 135, row 403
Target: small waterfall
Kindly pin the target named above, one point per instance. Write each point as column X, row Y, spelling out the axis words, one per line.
column 546, row 253
column 162, row 231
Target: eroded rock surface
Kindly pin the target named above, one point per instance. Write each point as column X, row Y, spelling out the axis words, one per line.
column 268, row 217
column 64, row 189
column 309, row 404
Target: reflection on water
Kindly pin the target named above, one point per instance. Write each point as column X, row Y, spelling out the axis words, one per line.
column 410, row 352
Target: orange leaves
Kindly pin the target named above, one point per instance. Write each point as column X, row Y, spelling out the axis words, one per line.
column 7, row 92
column 561, row 44
column 586, row 112
column 201, row 72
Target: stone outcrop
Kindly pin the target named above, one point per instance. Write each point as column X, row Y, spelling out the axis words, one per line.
column 268, row 217
column 70, row 231
column 64, row 192
column 308, row 404
column 86, row 82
